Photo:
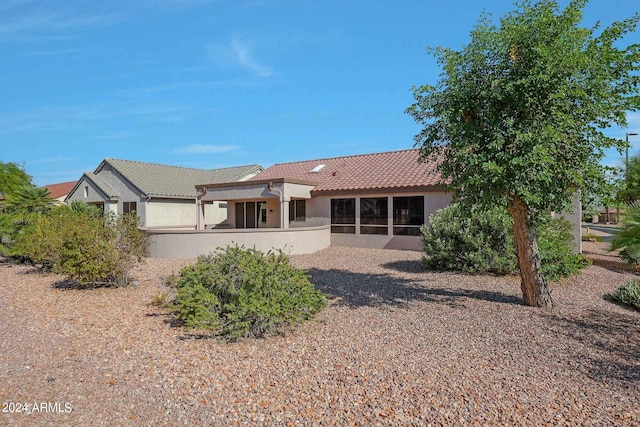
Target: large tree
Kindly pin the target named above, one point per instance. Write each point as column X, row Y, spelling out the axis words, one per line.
column 517, row 115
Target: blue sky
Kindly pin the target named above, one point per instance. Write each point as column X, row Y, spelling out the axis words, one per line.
column 216, row 83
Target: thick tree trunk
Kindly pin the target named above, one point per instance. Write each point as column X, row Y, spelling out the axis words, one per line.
column 534, row 287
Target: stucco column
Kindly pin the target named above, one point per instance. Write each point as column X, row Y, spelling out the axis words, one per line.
column 284, row 213
column 390, row 216
column 199, row 214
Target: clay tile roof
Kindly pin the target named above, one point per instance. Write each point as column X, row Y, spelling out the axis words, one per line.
column 388, row 170
column 60, row 189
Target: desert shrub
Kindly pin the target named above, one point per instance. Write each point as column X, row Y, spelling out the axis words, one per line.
column 629, row 293
column 240, row 292
column 476, row 240
column 557, row 258
column 87, row 247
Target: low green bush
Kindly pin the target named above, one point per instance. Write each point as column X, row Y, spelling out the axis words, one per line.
column 89, row 248
column 629, row 293
column 240, row 292
column 479, row 240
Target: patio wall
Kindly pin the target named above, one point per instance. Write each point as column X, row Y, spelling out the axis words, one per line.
column 166, row 243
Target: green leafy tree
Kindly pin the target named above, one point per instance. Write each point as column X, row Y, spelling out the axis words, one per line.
column 12, row 177
column 602, row 187
column 629, row 190
column 518, row 113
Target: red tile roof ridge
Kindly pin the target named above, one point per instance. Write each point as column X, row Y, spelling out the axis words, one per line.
column 346, row 156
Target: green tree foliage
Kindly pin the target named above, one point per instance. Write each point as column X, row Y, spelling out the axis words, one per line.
column 84, row 245
column 602, row 188
column 242, row 292
column 629, row 189
column 12, row 177
column 476, row 240
column 518, row 113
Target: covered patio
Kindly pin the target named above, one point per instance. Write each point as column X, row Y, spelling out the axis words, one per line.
column 273, row 203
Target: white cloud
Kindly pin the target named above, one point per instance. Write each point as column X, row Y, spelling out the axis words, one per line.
column 239, row 52
column 206, row 149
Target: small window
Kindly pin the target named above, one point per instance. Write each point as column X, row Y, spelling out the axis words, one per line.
column 86, row 191
column 408, row 215
column 297, row 210
column 129, row 207
column 222, row 205
column 343, row 215
column 373, row 215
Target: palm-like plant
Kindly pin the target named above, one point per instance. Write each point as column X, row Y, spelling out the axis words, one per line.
column 29, row 199
column 18, row 209
column 627, row 238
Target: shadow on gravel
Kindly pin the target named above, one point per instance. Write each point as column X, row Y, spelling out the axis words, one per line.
column 379, row 290
column 67, row 285
column 609, row 342
column 609, row 261
column 414, row 266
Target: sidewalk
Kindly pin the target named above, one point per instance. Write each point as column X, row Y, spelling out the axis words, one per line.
column 604, row 231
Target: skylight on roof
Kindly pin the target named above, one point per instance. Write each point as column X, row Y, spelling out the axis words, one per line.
column 317, row 169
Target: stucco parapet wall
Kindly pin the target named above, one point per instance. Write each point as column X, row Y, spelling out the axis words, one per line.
column 175, row 243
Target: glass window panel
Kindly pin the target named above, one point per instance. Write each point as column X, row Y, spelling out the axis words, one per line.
column 301, row 210
column 369, row 229
column 343, row 211
column 343, row 229
column 408, row 210
column 406, row 231
column 373, row 211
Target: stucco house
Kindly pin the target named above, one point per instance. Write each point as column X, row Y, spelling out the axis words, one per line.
column 372, row 200
column 161, row 195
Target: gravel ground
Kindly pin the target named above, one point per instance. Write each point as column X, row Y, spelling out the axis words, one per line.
column 396, row 346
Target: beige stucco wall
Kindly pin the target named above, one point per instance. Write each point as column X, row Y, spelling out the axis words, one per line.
column 191, row 243
column 170, row 213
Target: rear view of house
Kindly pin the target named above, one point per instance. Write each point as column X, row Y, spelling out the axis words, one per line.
column 373, row 200
column 161, row 195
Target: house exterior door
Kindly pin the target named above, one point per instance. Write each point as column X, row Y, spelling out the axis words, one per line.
column 262, row 214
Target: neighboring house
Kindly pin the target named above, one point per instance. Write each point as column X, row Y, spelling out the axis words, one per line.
column 61, row 190
column 608, row 215
column 161, row 195
column 373, row 200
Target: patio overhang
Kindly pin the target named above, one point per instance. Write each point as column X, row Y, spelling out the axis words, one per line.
column 280, row 188
column 283, row 189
